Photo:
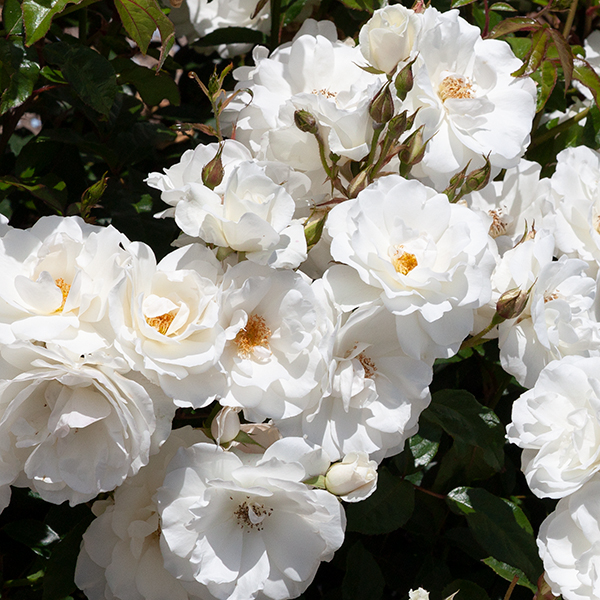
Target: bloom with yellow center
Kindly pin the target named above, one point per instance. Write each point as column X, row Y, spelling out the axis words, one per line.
column 256, row 334
column 404, row 262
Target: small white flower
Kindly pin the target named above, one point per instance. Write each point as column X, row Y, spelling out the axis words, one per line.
column 557, row 423
column 229, row 526
column 226, row 425
column 419, row 594
column 354, row 478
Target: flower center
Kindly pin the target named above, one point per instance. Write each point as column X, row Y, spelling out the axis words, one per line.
column 455, row 87
column 255, row 334
column 548, row 296
column 498, row 226
column 161, row 323
column 324, row 92
column 368, row 365
column 250, row 515
column 65, row 288
column 404, row 262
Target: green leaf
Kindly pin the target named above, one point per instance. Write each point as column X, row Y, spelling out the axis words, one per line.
column 38, row 15
column 91, row 75
column 292, row 10
column 546, row 79
column 52, row 196
column 231, row 35
column 585, row 73
column 536, row 54
column 565, row 54
column 514, row 24
column 53, row 75
column 368, row 5
column 502, row 7
column 507, row 572
column 141, row 18
column 390, row 506
column 462, row 417
column 58, row 581
column 153, row 87
column 459, row 3
column 499, row 527
column 12, row 17
column 18, row 73
column 363, row 579
column 34, row 534
column 424, row 445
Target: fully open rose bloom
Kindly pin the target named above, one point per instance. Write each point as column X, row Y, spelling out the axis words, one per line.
column 166, row 321
column 469, row 102
column 248, row 530
column 315, row 72
column 557, row 423
column 568, row 544
column 373, row 394
column 120, row 555
column 425, row 259
column 56, row 278
column 78, row 425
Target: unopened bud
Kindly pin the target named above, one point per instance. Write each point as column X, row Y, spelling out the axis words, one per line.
column 478, row 179
column 353, row 479
column 306, row 122
column 397, row 126
column 413, row 148
column 404, row 80
column 226, row 425
column 410, row 120
column 381, row 108
column 213, row 172
column 512, row 303
column 358, row 184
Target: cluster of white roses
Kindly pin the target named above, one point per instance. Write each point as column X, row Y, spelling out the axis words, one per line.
column 312, row 289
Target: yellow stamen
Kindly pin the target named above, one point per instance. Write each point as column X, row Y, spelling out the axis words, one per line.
column 65, row 288
column 455, row 87
column 256, row 333
column 324, row 92
column 162, row 323
column 498, row 226
column 404, row 262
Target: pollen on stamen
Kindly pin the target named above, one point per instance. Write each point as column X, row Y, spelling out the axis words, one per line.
column 404, row 262
column 65, row 288
column 455, row 87
column 255, row 334
column 161, row 323
column 498, row 226
column 368, row 365
column 324, row 92
column 250, row 515
column 548, row 296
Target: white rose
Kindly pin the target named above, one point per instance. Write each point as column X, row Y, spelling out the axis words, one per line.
column 228, row 525
column 568, row 543
column 425, row 259
column 56, row 279
column 166, row 321
column 419, row 594
column 467, row 97
column 354, row 478
column 557, row 423
column 120, row 554
column 79, row 425
column 388, row 37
